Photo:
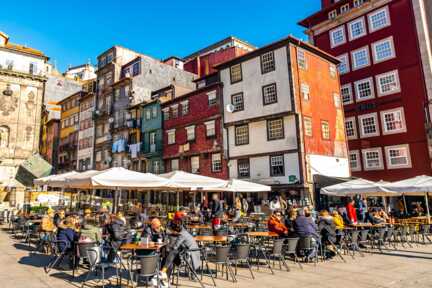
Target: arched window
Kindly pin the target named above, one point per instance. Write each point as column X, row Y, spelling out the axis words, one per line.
column 4, row 136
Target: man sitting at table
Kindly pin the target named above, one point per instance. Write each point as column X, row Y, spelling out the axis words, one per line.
column 67, row 237
column 184, row 243
column 276, row 225
column 154, row 231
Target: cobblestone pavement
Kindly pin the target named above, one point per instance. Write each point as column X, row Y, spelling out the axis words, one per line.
column 407, row 267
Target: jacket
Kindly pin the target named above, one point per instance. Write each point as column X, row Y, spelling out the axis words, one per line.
column 305, row 226
column 66, row 237
column 338, row 221
column 153, row 235
column 216, row 209
column 351, row 213
column 186, row 241
column 276, row 226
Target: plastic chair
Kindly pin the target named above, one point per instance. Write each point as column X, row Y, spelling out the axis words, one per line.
column 290, row 249
column 307, row 247
column 241, row 255
column 221, row 257
column 95, row 262
column 276, row 253
column 146, row 266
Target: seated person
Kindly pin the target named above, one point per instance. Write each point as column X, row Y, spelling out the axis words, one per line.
column 154, row 231
column 290, row 223
column 59, row 217
column 327, row 227
column 305, row 225
column 117, row 231
column 183, row 241
column 91, row 231
column 276, row 225
column 338, row 220
column 47, row 224
column 67, row 237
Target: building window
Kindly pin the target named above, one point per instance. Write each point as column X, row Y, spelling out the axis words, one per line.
column 243, row 168
column 307, row 122
column 332, row 71
column 171, row 137
column 275, row 129
column 383, row 50
column 210, row 128
column 393, row 121
column 301, row 59
column 337, row 100
column 185, row 107
column 241, row 135
column 325, row 130
column 345, row 8
column 337, row 36
column 166, row 113
column 398, row 156
column 332, row 14
column 372, row 159
column 346, row 94
column 360, row 58
column 344, row 64
column 267, row 62
column 236, row 73
column 277, row 167
column 212, row 98
column 354, row 158
column 357, row 28
column 136, row 68
column 190, row 132
column 156, row 167
column 269, row 94
column 358, row 3
column 195, row 164
column 305, row 91
column 174, row 111
column 364, row 89
column 388, row 83
column 154, row 112
column 350, row 128
column 379, row 19
column 148, row 114
column 174, row 164
column 237, row 102
column 216, row 162
column 368, row 125
column 152, row 140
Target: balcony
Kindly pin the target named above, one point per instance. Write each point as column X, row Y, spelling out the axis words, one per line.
column 32, row 72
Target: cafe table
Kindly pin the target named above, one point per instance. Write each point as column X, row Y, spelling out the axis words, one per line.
column 199, row 226
column 263, row 234
column 210, row 239
column 259, row 245
column 151, row 246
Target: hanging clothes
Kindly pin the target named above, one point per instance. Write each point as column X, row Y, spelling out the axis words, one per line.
column 121, row 145
column 135, row 149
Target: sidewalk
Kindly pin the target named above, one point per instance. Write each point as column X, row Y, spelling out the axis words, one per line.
column 393, row 269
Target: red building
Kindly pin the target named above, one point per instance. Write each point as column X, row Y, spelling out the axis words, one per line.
column 385, row 65
column 193, row 131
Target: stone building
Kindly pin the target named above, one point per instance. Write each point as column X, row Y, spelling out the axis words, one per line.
column 22, row 79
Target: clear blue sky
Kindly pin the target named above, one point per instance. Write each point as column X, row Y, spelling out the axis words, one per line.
column 71, row 32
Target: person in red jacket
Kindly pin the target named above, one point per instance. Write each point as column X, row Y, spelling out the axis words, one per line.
column 276, row 225
column 351, row 212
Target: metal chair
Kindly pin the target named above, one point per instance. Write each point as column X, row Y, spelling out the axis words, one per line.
column 58, row 254
column 276, row 253
column 307, row 247
column 363, row 239
column 425, row 232
column 290, row 249
column 146, row 266
column 241, row 255
column 221, row 257
column 95, row 262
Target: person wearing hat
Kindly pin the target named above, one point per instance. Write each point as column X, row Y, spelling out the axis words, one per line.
column 154, row 231
column 47, row 224
column 184, row 243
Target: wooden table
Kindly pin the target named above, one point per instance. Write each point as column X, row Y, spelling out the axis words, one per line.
column 211, row 238
column 152, row 246
column 201, row 226
column 262, row 234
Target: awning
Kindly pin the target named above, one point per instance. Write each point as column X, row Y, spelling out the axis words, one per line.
column 357, row 187
column 416, row 186
column 193, row 182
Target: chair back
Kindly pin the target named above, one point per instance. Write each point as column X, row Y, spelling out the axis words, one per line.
column 412, row 229
column 354, row 236
column 305, row 243
column 277, row 247
column 389, row 234
column 364, row 235
column 381, row 233
column 222, row 254
column 149, row 265
column 206, row 232
column 241, row 251
column 426, row 228
column 291, row 246
column 94, row 256
column 83, row 247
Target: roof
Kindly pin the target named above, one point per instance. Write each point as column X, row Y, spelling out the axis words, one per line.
column 191, row 93
column 307, row 21
column 24, row 49
column 70, row 96
column 275, row 45
column 205, row 77
column 217, row 44
column 172, row 57
column 4, row 35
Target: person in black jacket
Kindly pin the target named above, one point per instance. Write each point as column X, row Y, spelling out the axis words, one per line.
column 154, row 231
column 67, row 237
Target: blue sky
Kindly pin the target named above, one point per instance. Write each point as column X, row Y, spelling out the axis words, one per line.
column 71, row 32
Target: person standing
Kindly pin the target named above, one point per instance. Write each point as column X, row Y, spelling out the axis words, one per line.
column 351, row 212
column 237, row 208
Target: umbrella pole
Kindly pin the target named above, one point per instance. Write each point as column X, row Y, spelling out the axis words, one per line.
column 178, row 200
column 427, row 207
column 194, row 202
column 406, row 208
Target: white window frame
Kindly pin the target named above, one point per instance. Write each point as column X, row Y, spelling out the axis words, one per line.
column 356, row 67
column 302, row 59
column 190, row 133
column 353, row 122
column 344, row 58
column 362, row 132
column 332, row 14
column 358, row 3
column 380, row 158
column 392, row 47
column 370, row 15
column 175, row 167
column 350, row 31
column 332, row 71
column 388, row 157
column 308, row 126
column 337, row 29
column 356, row 89
column 210, row 128
column 337, row 99
column 216, row 162
column 358, row 160
column 397, row 82
column 345, row 8
column 383, row 121
column 195, row 164
column 349, row 87
column 212, row 98
column 305, row 91
column 171, row 136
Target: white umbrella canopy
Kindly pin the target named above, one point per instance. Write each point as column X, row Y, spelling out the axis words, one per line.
column 193, row 182
column 116, row 178
column 235, row 185
column 416, row 186
column 58, row 180
column 358, row 187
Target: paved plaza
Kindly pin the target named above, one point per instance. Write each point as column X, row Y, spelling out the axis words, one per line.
column 409, row 267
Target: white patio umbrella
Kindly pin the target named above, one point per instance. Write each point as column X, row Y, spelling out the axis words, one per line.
column 58, row 180
column 358, row 187
column 235, row 185
column 416, row 186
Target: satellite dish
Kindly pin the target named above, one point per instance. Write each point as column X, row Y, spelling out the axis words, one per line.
column 230, row 108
